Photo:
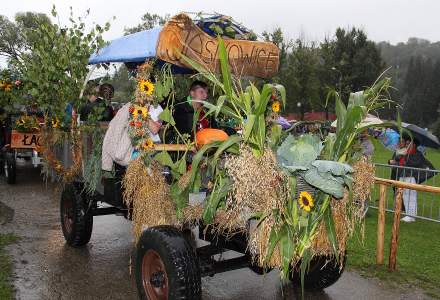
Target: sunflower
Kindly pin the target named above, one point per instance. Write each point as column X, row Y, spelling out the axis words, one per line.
column 276, row 106
column 140, row 111
column 305, row 201
column 148, row 144
column 55, row 123
column 2, row 84
column 8, row 87
column 146, row 86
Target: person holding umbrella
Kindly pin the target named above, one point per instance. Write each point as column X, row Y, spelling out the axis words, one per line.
column 407, row 155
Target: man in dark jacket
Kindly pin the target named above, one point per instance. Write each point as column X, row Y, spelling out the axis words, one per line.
column 189, row 107
column 97, row 103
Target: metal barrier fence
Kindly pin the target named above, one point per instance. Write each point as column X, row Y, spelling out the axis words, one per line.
column 427, row 204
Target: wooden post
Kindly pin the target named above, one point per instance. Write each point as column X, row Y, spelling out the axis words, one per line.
column 395, row 231
column 381, row 225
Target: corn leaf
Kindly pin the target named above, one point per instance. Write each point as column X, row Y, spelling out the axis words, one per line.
column 164, row 159
column 224, row 65
column 331, row 231
column 166, row 116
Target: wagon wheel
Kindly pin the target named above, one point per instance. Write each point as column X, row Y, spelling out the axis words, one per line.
column 154, row 276
column 67, row 214
column 322, row 273
column 166, row 266
column 75, row 216
column 10, row 168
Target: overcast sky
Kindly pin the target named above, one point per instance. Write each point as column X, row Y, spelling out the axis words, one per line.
column 383, row 20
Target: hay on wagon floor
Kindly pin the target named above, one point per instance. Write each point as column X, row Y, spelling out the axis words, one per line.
column 148, row 195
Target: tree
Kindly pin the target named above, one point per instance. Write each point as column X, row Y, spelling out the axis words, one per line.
column 301, row 78
column 421, row 94
column 55, row 68
column 277, row 37
column 14, row 35
column 357, row 59
column 148, row 21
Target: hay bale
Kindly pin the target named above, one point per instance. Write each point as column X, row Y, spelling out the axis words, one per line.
column 258, row 185
column 148, row 194
column 343, row 227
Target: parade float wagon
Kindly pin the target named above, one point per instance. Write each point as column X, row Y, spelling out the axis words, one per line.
column 23, row 142
column 280, row 201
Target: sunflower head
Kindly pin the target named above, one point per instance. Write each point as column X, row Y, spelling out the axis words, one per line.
column 276, row 106
column 146, row 87
column 305, row 201
column 148, row 144
column 55, row 123
column 139, row 111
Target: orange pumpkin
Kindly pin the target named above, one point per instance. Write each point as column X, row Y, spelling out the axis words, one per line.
column 209, row 135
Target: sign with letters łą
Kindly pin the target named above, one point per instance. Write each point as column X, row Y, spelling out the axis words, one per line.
column 246, row 58
column 21, row 140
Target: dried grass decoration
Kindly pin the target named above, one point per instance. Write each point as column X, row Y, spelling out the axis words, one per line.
column 51, row 139
column 148, row 195
column 258, row 186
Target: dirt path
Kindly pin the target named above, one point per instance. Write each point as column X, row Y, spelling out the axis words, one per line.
column 46, row 268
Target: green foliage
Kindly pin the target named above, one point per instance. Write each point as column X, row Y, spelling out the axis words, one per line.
column 55, row 67
column 92, row 163
column 349, row 118
column 14, row 39
column 346, row 62
column 11, row 90
column 245, row 106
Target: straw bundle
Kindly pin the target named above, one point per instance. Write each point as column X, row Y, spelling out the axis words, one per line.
column 148, row 194
column 258, row 185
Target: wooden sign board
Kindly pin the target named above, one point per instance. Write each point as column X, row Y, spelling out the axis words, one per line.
column 21, row 140
column 246, row 58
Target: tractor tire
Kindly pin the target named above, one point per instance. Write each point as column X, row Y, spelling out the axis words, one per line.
column 166, row 266
column 10, row 168
column 323, row 272
column 76, row 218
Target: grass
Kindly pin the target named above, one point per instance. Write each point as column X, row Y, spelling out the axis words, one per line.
column 418, row 254
column 6, row 291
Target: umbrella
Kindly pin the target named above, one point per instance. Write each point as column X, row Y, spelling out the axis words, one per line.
column 368, row 121
column 390, row 139
column 422, row 136
column 284, row 123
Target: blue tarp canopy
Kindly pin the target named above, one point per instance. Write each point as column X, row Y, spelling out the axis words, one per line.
column 131, row 48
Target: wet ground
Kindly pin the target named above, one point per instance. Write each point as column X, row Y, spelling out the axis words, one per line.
column 46, row 268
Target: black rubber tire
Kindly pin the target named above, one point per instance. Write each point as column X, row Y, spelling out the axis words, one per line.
column 80, row 230
column 178, row 257
column 258, row 270
column 10, row 168
column 323, row 272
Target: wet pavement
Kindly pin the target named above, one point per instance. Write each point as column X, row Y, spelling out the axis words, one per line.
column 46, row 268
